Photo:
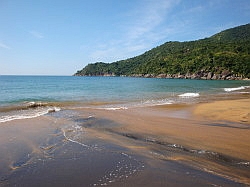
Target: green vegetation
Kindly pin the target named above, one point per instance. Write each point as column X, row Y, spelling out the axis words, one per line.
column 227, row 51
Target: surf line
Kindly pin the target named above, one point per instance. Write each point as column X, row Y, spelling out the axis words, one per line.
column 73, row 141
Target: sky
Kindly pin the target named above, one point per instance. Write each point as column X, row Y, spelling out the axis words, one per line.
column 59, row 37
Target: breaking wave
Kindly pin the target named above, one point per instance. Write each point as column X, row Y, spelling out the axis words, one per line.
column 26, row 110
column 235, row 89
column 186, row 95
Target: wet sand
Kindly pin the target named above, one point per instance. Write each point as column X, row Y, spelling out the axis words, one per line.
column 171, row 145
column 229, row 110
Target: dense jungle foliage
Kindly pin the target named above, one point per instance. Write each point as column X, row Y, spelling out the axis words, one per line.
column 228, row 50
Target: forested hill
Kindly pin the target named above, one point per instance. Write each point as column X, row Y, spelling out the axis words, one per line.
column 225, row 55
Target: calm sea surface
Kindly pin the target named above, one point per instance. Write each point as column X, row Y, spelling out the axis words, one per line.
column 19, row 95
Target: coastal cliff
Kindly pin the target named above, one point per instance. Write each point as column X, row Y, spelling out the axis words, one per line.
column 224, row 56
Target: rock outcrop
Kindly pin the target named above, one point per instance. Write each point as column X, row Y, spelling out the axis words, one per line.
column 203, row 75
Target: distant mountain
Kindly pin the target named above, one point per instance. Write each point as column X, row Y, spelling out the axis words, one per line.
column 225, row 55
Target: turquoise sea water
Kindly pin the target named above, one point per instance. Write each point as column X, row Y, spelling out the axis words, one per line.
column 20, row 94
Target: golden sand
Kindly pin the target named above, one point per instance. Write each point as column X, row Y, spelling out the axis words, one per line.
column 228, row 110
column 191, row 129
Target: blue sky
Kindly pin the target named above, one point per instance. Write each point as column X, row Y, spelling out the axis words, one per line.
column 59, row 37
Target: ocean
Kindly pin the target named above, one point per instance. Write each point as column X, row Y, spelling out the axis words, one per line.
column 32, row 96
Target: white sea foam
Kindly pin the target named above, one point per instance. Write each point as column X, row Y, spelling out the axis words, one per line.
column 244, row 163
column 74, row 132
column 235, row 89
column 27, row 114
column 146, row 103
column 186, row 95
column 157, row 102
column 115, row 108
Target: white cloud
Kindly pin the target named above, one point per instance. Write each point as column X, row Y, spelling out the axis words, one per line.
column 142, row 30
column 2, row 45
column 149, row 17
column 36, row 34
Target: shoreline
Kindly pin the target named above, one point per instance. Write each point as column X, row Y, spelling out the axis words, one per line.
column 194, row 76
column 151, row 142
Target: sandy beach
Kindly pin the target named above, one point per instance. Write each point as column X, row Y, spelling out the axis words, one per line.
column 204, row 144
column 237, row 111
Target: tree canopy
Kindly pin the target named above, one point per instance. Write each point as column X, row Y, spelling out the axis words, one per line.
column 228, row 50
